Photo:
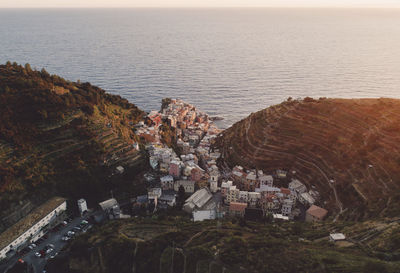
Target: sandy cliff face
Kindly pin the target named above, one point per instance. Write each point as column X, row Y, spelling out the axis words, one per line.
column 353, row 142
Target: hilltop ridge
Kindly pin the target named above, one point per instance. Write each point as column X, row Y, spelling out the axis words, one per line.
column 60, row 137
column 346, row 148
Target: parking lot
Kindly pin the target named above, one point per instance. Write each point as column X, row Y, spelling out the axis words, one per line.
column 49, row 245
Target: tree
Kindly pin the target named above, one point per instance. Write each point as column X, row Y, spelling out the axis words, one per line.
column 28, row 67
column 44, row 73
column 181, row 196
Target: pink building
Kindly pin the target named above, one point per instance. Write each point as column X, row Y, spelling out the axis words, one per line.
column 196, row 174
column 175, row 169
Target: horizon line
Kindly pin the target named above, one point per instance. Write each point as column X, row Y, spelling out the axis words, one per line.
column 207, row 7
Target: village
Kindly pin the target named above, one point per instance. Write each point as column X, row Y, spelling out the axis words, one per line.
column 214, row 193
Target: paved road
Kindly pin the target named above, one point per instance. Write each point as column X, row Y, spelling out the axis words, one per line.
column 53, row 238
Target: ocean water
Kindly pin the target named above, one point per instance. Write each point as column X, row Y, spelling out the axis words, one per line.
column 228, row 62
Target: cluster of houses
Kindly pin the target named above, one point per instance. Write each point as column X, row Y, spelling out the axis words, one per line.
column 254, row 189
column 243, row 192
column 196, row 167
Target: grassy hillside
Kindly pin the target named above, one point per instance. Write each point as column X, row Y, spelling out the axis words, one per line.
column 176, row 245
column 355, row 143
column 60, row 137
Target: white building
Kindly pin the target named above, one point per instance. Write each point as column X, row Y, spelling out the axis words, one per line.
column 197, row 200
column 31, row 227
column 296, row 188
column 82, row 206
column 120, row 170
column 306, row 199
column 111, row 208
column 254, row 198
column 243, row 196
column 201, row 215
column 154, row 193
column 232, row 195
column 267, row 180
column 188, row 185
column 225, row 186
column 337, row 237
column 287, row 207
column 167, row 182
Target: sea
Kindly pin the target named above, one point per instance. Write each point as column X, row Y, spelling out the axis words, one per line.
column 228, row 62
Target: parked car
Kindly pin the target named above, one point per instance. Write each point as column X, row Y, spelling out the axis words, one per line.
column 49, row 250
column 50, row 246
column 32, row 246
column 37, row 254
column 70, row 233
column 53, row 255
column 77, row 228
column 65, row 238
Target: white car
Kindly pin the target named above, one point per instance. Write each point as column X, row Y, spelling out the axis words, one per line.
column 37, row 254
column 32, row 246
column 49, row 250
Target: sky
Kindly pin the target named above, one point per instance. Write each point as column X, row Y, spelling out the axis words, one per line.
column 198, row 3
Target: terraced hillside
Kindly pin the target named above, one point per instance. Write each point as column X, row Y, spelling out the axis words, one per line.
column 177, row 245
column 60, row 137
column 347, row 149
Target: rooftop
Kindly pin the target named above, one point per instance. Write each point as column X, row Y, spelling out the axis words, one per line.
column 200, row 197
column 28, row 221
column 107, row 204
column 234, row 206
column 317, row 211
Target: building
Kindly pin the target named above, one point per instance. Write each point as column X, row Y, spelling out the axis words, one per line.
column 167, row 199
column 82, row 206
column 213, row 185
column 188, row 185
column 334, row 237
column 306, row 199
column 167, row 182
column 237, row 209
column 287, row 207
column 281, row 217
column 201, row 215
column 154, row 193
column 281, row 174
column 232, row 195
column 197, row 200
column 225, row 186
column 111, row 208
column 315, row 213
column 214, row 175
column 254, row 199
column 32, row 227
column 196, row 174
column 243, row 196
column 175, row 169
column 267, row 180
column 119, row 170
column 251, row 182
column 296, row 188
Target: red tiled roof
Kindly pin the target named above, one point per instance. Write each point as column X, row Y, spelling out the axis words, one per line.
column 234, row 206
column 317, row 212
column 285, row 191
